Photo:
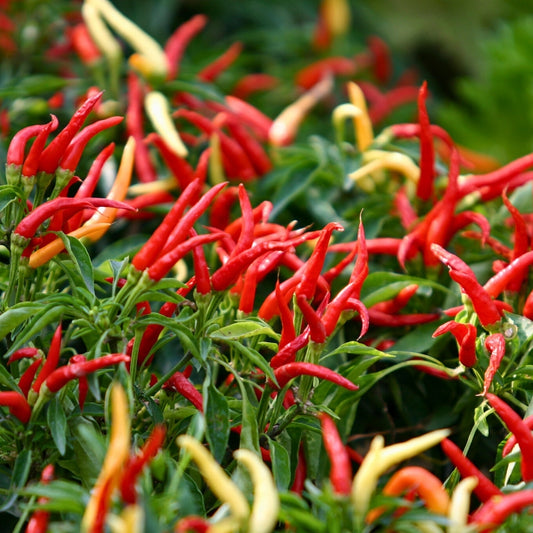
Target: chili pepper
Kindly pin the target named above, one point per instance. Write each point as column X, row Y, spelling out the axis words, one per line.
column 52, row 154
column 136, row 463
column 397, row 303
column 153, row 246
column 390, row 101
column 511, row 441
column 380, row 458
column 83, row 44
column 31, row 162
column 287, row 353
column 158, row 111
column 424, row 189
column 212, row 71
column 181, row 384
column 341, row 468
column 251, row 116
column 17, row 146
column 404, row 209
column 316, row 327
column 57, row 379
column 219, row 482
column 252, row 83
column 260, row 214
column 495, row 344
column 22, row 353
column 178, row 41
column 114, row 461
column 381, row 64
column 73, row 152
column 28, row 376
column 246, row 236
column 300, row 472
column 38, row 523
column 420, row 480
column 17, row 404
column 334, row 309
column 307, row 286
column 465, row 335
column 329, row 66
column 378, row 318
column 192, row 523
column 220, row 213
column 519, row 429
column 495, row 511
column 285, row 126
column 337, row 270
column 288, row 333
column 485, row 489
column 88, row 185
column 289, row 371
column 460, row 504
column 497, row 284
column 142, row 203
column 52, row 359
column 487, row 311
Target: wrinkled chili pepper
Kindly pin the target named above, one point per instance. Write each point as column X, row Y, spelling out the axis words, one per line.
column 519, row 429
column 465, row 335
column 341, row 468
column 495, row 344
column 181, row 384
column 484, row 489
column 286, row 373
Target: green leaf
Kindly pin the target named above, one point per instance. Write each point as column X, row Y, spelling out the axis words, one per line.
column 255, row 357
column 480, row 420
column 17, row 314
column 7, row 195
column 280, row 464
column 35, row 85
column 242, row 329
column 81, row 259
column 57, row 422
column 217, row 421
column 21, row 471
column 63, row 496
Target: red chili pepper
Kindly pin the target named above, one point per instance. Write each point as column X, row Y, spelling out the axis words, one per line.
column 89, row 183
column 212, row 71
column 251, row 116
column 497, row 284
column 397, row 303
column 404, row 209
column 520, row 430
column 73, row 152
column 382, row 63
column 17, row 404
column 495, row 344
column 316, row 327
column 390, row 101
column 337, row 270
column 287, row 354
column 22, row 353
column 307, row 286
column 300, row 472
column 52, row 359
column 192, row 523
column 511, row 441
column 83, row 44
column 360, row 269
column 28, row 376
column 339, row 304
column 136, row 463
column 142, row 203
column 341, row 468
column 17, row 146
column 54, row 151
column 378, row 318
column 83, row 382
column 31, row 162
column 287, row 372
column 201, row 270
column 465, row 335
column 181, row 384
column 252, row 83
column 246, row 236
column 220, row 214
column 38, row 522
column 424, row 188
column 178, row 41
column 527, row 310
column 484, row 489
column 260, row 214
column 334, row 65
column 164, row 263
column 495, row 511
column 61, row 376
column 487, row 311
column 288, row 332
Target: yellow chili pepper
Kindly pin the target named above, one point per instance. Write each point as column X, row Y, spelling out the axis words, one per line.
column 158, row 111
column 161, row 185
column 131, row 520
column 216, row 167
column 219, row 482
column 460, row 505
column 153, row 57
column 265, row 508
column 118, row 190
column 340, row 114
column 47, row 252
column 226, row 525
column 336, row 15
column 362, row 123
column 116, row 457
column 379, row 459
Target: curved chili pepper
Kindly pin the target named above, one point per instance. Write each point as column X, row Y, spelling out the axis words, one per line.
column 329, row 66
column 28, row 376
column 511, row 441
column 260, row 215
column 136, row 463
column 287, row 372
column 378, row 318
column 22, row 353
column 212, row 71
column 465, row 335
column 424, row 188
column 360, row 269
column 397, row 303
column 52, row 359
column 192, row 523
column 61, row 376
column 520, row 430
column 404, row 209
column 484, row 489
column 54, row 151
column 181, row 384
column 17, row 404
column 497, row 284
column 287, row 353
column 38, row 523
column 251, row 83
column 31, row 162
column 17, row 146
column 316, row 327
column 288, row 332
column 341, row 468
column 251, row 116
column 83, row 44
column 495, row 344
column 390, row 101
column 381, row 63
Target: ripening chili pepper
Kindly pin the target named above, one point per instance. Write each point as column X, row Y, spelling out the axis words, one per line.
column 183, row 385
column 216, row 478
column 381, row 63
column 214, row 69
column 285, row 126
column 266, row 504
column 495, row 344
column 316, row 327
column 329, row 66
column 136, row 463
column 307, row 286
column 516, row 425
column 460, row 505
column 485, row 489
column 250, row 116
column 63, row 375
column 495, row 511
column 341, row 468
column 425, row 185
column 52, row 154
column 52, row 359
column 251, row 83
column 192, row 523
column 465, row 335
column 178, row 41
column 286, row 373
column 17, row 404
column 38, row 523
column 487, row 311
